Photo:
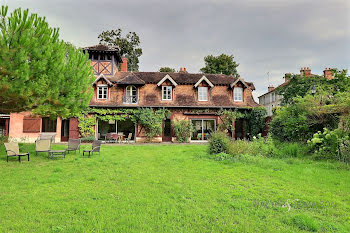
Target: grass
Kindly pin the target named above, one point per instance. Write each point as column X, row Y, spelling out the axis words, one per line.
column 170, row 188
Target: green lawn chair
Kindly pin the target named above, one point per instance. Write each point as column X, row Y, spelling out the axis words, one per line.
column 12, row 150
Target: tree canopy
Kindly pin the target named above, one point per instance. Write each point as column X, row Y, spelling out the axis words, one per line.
column 166, row 69
column 307, row 113
column 222, row 64
column 128, row 45
column 38, row 71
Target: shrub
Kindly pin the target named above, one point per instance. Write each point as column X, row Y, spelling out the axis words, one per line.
column 183, row 130
column 290, row 124
column 88, row 139
column 219, row 143
column 331, row 144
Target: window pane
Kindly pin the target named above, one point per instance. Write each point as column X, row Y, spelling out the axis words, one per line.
column 203, row 93
column 48, row 125
column 238, row 93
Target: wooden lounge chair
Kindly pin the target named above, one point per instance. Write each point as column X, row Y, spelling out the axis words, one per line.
column 42, row 146
column 74, row 145
column 12, row 149
column 96, row 146
column 128, row 139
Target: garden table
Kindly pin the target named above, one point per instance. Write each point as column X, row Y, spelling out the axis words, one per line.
column 57, row 153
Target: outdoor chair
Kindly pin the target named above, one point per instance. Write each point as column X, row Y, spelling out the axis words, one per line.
column 12, row 149
column 74, row 145
column 44, row 136
column 109, row 137
column 96, row 147
column 128, row 139
column 42, row 146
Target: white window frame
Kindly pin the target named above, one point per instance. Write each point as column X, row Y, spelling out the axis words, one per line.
column 104, row 89
column 166, row 90
column 238, row 95
column 201, row 95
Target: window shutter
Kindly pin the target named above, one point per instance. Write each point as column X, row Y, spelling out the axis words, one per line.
column 31, row 125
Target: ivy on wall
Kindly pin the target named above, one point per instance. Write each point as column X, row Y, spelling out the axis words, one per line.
column 149, row 119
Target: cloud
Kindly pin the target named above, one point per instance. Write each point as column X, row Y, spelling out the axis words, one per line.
column 263, row 35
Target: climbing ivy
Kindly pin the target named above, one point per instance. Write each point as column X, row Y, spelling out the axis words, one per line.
column 150, row 120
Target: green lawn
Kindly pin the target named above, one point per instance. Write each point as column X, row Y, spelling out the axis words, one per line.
column 170, row 188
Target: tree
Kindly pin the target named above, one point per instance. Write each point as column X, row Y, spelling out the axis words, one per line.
column 128, row 45
column 38, row 71
column 166, row 69
column 222, row 64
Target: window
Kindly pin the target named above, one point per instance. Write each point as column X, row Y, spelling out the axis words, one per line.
column 130, row 96
column 203, row 93
column 48, row 125
column 238, row 94
column 202, row 129
column 167, row 92
column 102, row 92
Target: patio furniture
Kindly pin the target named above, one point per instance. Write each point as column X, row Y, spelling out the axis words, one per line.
column 74, row 145
column 199, row 136
column 50, row 136
column 57, row 153
column 128, row 139
column 109, row 137
column 12, row 150
column 42, row 146
column 120, row 137
column 96, row 146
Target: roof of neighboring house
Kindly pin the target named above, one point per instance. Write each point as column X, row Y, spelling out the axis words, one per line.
column 179, row 77
column 282, row 85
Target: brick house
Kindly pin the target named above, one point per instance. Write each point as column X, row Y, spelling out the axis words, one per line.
column 271, row 99
column 193, row 97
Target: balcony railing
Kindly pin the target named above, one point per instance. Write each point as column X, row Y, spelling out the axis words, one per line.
column 127, row 99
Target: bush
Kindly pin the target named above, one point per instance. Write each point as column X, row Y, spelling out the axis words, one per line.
column 290, row 124
column 88, row 139
column 219, row 143
column 333, row 144
column 183, row 130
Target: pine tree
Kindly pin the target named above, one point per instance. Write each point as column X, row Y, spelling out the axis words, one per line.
column 38, row 71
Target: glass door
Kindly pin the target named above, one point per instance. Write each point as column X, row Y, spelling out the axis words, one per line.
column 202, row 129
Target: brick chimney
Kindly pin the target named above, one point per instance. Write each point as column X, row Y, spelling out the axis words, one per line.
column 181, row 69
column 306, row 71
column 185, row 69
column 124, row 65
column 270, row 88
column 327, row 73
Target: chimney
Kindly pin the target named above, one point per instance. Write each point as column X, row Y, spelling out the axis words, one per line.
column 306, row 71
column 181, row 69
column 185, row 69
column 124, row 65
column 327, row 73
column 270, row 88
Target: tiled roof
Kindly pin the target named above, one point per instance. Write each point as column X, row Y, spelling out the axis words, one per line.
column 179, row 78
column 101, row 47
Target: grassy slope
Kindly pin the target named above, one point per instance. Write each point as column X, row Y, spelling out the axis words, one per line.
column 171, row 189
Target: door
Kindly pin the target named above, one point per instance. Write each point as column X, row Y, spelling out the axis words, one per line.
column 65, row 130
column 166, row 137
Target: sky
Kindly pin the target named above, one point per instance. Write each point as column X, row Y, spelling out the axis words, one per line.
column 264, row 36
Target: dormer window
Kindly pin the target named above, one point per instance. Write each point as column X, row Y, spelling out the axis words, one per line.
column 130, row 96
column 167, row 92
column 102, row 92
column 202, row 93
column 238, row 94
